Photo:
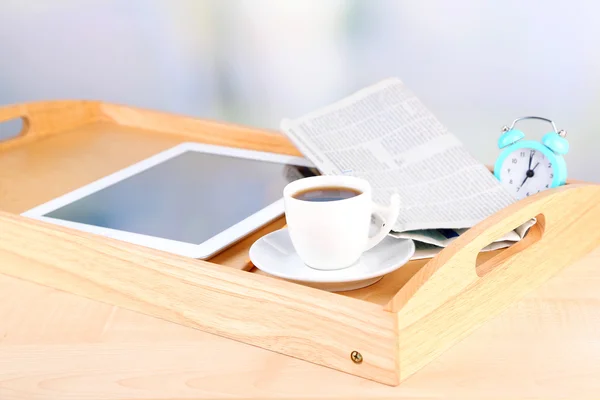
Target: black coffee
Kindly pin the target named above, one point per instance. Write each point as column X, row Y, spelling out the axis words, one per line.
column 327, row 193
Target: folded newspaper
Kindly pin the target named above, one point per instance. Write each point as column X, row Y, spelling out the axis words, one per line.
column 384, row 134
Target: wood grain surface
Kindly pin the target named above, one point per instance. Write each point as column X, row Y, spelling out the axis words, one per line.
column 201, row 130
column 451, row 296
column 58, row 346
column 314, row 325
column 42, row 119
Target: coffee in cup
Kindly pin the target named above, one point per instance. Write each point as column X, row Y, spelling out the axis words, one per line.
column 326, row 193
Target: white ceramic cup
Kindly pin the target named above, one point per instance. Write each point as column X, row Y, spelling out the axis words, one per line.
column 331, row 235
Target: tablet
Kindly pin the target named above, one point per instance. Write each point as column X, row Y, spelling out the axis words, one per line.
column 193, row 199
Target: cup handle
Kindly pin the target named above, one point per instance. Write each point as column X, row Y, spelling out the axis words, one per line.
column 389, row 215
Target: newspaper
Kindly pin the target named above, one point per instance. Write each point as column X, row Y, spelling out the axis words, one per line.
column 430, row 241
column 384, row 134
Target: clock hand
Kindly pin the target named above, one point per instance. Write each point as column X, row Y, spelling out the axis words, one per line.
column 530, row 158
column 526, row 177
column 529, row 174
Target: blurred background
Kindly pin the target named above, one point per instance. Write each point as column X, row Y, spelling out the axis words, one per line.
column 476, row 64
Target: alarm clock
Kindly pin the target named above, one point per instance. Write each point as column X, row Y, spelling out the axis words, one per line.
column 527, row 167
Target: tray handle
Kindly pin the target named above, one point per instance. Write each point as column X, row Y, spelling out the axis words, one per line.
column 12, row 113
column 49, row 117
column 566, row 229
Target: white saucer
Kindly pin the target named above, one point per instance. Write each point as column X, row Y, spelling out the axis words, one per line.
column 275, row 255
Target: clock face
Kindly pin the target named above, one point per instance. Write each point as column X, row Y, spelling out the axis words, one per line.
column 526, row 172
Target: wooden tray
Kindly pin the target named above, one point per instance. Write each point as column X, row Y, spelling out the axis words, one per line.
column 384, row 332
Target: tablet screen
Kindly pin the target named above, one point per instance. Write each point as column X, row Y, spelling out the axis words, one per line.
column 188, row 198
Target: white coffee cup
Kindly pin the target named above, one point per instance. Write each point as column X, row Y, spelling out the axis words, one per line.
column 331, row 235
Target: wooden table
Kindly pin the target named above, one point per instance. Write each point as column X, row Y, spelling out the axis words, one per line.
column 54, row 345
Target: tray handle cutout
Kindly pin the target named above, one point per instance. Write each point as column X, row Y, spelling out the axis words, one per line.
column 565, row 230
column 485, row 264
column 39, row 119
column 13, row 123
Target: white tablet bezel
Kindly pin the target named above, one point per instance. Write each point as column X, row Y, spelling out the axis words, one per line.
column 203, row 250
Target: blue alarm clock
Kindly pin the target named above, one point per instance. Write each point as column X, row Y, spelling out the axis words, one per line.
column 526, row 167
